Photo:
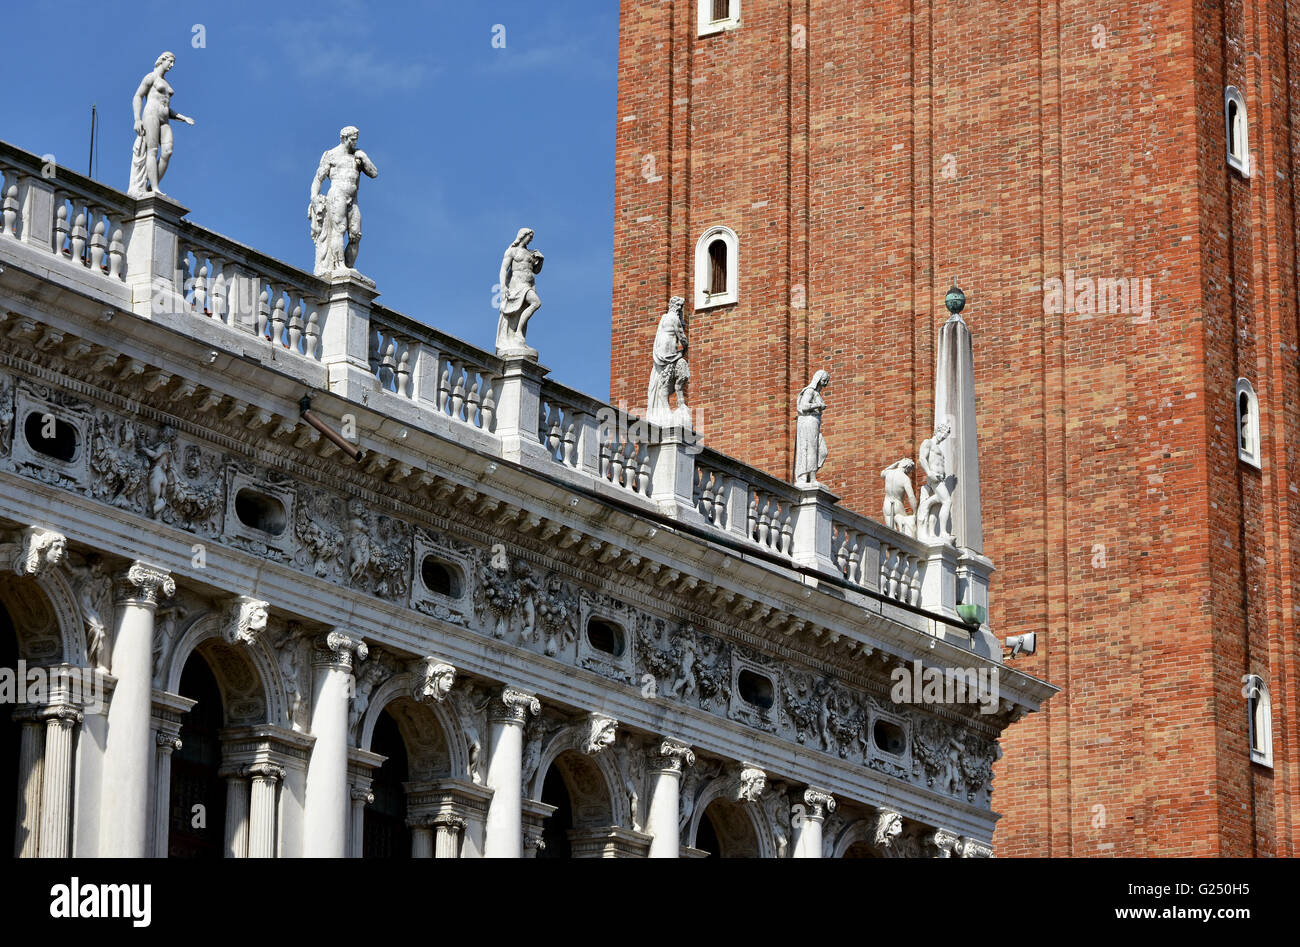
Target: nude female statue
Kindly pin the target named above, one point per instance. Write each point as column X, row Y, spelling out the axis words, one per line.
column 153, row 144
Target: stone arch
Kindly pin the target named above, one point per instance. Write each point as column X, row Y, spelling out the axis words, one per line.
column 591, row 779
column 435, row 745
column 247, row 675
column 46, row 618
column 858, row 838
column 747, row 831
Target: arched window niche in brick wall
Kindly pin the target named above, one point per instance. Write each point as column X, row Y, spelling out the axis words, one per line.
column 718, row 15
column 717, row 268
column 1236, row 130
column 1259, row 713
column 1247, row 424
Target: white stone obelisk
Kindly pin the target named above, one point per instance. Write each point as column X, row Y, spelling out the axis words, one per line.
column 663, row 816
column 808, row 824
column 505, row 827
column 130, row 748
column 954, row 399
column 327, row 803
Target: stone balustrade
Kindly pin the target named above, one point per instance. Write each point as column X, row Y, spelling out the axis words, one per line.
column 332, row 335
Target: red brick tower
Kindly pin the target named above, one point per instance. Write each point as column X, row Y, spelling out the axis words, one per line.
column 863, row 155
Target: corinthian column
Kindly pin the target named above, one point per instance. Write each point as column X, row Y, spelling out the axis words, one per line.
column 447, row 832
column 663, row 818
column 505, row 824
column 261, row 821
column 808, row 824
column 236, row 812
column 326, row 806
column 361, row 797
column 31, row 760
column 56, row 782
column 129, row 749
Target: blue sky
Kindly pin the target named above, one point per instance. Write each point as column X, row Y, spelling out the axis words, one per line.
column 472, row 142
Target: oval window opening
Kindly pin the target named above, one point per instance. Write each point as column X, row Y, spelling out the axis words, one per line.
column 755, row 689
column 50, row 436
column 260, row 512
column 889, row 737
column 440, row 578
column 605, row 637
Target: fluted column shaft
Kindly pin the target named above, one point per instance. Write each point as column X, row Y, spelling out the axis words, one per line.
column 261, row 822
column 237, row 797
column 167, row 743
column 31, row 762
column 327, row 808
column 663, row 817
column 56, row 782
column 505, row 824
column 447, row 831
column 129, row 750
column 422, row 840
column 808, row 823
column 361, row 797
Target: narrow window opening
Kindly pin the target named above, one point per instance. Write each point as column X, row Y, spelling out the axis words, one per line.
column 755, row 689
column 440, row 578
column 51, row 436
column 717, row 267
column 605, row 636
column 889, row 737
column 261, row 512
column 721, row 10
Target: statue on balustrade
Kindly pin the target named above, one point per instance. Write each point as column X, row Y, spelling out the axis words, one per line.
column 899, row 496
column 809, row 446
column 934, row 514
column 519, row 299
column 671, row 371
column 153, row 134
column 335, row 216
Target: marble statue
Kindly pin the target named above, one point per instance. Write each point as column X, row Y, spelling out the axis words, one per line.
column 899, row 496
column 671, row 371
column 934, row 524
column 153, row 135
column 810, row 447
column 335, row 217
column 519, row 300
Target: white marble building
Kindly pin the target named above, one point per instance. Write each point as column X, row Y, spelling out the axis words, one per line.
column 502, row 629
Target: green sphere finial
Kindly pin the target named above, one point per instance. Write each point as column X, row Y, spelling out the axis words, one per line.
column 955, row 300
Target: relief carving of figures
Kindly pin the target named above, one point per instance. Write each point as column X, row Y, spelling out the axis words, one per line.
column 295, row 669
column 630, row 756
column 557, row 612
column 153, row 110
column 519, row 300
column 6, row 412
column 116, row 458
column 335, row 217
column 601, row 733
column 245, row 620
column 195, row 492
column 160, row 470
column 934, row 514
column 528, row 587
column 165, row 625
column 751, row 783
column 34, row 550
column 899, row 497
column 378, row 668
column 94, row 589
column 684, row 684
column 801, row 704
column 888, row 827
column 713, row 673
column 810, row 447
column 379, row 553
column 938, row 750
column 470, row 704
column 977, row 767
column 655, row 654
column 497, row 594
column 316, row 524
column 776, row 805
column 693, row 781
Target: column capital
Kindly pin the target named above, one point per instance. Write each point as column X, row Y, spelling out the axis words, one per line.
column 819, row 802
column 363, row 796
column 670, row 756
column 169, row 742
column 514, row 706
column 944, row 841
column 972, row 848
column 266, row 771
column 449, row 820
column 65, row 715
column 338, row 650
column 143, row 584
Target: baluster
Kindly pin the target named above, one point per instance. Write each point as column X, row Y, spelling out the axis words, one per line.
column 855, row 561
column 116, row 253
column 61, row 229
column 79, row 239
column 11, row 211
column 543, row 411
column 842, row 548
column 264, row 311
column 753, row 516
column 489, row 403
column 555, row 436
column 915, row 597
column 444, row 386
column 201, row 291
column 98, row 245
column 473, row 402
column 764, row 522
column 896, row 574
column 704, row 494
column 312, row 348
column 643, row 478
column 617, row 461
column 295, row 327
column 404, row 371
column 278, row 319
column 458, row 394
column 217, row 292
column 606, row 462
column 571, row 444
column 388, row 365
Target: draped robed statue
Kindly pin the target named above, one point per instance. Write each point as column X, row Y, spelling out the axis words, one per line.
column 809, row 445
